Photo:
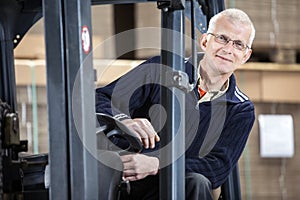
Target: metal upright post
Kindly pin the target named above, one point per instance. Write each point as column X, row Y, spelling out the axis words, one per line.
column 70, row 90
column 57, row 99
column 172, row 172
column 8, row 15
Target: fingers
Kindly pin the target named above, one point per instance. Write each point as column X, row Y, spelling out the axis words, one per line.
column 133, row 177
column 144, row 131
column 150, row 136
column 157, row 138
column 138, row 166
column 130, row 168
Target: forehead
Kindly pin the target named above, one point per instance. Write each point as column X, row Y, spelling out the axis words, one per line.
column 233, row 29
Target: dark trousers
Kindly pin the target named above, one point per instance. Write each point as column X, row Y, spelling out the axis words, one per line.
column 197, row 187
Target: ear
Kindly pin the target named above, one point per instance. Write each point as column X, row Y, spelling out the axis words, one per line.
column 247, row 56
column 203, row 41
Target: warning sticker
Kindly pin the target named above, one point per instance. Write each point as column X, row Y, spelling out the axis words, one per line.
column 85, row 39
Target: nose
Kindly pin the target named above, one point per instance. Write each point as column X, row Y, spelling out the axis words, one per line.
column 228, row 47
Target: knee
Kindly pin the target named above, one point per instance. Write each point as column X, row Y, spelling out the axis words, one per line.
column 198, row 180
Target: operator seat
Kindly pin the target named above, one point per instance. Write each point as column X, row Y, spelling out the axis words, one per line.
column 110, row 167
column 109, row 175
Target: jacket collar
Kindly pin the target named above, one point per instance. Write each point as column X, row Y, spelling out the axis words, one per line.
column 233, row 94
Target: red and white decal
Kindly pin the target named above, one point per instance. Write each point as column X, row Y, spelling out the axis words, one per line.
column 85, row 39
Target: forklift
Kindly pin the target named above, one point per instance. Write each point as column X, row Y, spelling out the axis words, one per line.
column 71, row 169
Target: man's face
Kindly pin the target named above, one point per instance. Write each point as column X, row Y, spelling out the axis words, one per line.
column 225, row 58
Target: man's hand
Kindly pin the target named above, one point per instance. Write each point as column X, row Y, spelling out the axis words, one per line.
column 138, row 166
column 143, row 130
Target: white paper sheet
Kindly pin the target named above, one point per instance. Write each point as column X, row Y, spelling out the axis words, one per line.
column 276, row 136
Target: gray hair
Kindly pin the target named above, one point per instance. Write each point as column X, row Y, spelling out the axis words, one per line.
column 236, row 16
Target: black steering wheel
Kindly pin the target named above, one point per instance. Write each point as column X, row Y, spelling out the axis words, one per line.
column 118, row 134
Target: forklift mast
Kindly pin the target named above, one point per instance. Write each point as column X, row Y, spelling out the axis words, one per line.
column 72, row 163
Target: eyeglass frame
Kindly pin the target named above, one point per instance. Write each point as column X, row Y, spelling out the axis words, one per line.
column 234, row 42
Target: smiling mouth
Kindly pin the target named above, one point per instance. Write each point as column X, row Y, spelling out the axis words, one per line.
column 223, row 58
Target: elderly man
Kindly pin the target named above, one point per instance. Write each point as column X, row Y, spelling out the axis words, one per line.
column 219, row 117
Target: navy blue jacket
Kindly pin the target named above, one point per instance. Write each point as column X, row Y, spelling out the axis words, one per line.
column 216, row 131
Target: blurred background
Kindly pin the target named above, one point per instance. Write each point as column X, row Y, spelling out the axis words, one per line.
column 270, row 165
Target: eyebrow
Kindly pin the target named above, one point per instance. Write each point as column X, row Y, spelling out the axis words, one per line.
column 238, row 40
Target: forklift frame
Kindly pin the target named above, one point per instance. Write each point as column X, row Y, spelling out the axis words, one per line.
column 72, row 147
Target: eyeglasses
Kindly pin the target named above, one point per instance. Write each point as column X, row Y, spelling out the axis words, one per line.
column 223, row 39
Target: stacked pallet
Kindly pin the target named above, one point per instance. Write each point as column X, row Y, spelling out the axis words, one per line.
column 277, row 27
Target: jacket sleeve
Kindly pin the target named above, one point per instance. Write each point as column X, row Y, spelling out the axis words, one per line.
column 124, row 96
column 219, row 162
